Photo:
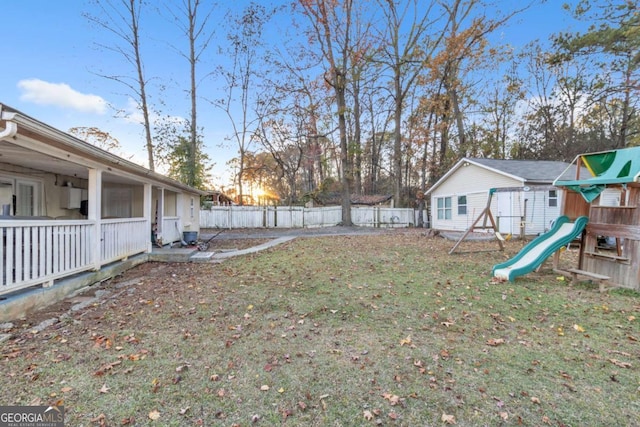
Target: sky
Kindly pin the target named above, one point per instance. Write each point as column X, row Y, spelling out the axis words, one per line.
column 52, row 66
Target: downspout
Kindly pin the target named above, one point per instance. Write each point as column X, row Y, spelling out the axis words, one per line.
column 11, row 128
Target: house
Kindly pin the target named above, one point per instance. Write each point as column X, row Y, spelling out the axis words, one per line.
column 68, row 207
column 525, row 201
column 217, row 198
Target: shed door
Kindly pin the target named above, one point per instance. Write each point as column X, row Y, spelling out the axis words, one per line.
column 505, row 212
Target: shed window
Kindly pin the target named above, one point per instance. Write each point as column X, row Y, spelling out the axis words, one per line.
column 553, row 198
column 444, row 207
column 462, row 205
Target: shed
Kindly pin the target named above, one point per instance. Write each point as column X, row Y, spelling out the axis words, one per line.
column 525, row 201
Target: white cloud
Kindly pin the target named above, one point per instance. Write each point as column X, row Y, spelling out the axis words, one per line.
column 60, row 95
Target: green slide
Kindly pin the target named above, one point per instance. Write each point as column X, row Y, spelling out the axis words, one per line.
column 540, row 248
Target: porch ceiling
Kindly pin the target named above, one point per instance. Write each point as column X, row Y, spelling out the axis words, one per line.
column 14, row 155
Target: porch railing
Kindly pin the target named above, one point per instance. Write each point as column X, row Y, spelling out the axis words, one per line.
column 34, row 252
column 171, row 229
column 38, row 252
column 124, row 237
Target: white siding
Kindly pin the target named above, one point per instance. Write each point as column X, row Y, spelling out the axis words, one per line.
column 475, row 182
column 539, row 215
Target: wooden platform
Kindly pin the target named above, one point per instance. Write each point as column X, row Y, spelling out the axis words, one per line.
column 600, row 279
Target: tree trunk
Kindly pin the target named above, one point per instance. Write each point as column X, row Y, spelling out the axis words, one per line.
column 397, row 144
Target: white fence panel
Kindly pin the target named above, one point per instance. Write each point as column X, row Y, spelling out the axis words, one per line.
column 322, row 217
column 217, row 216
column 247, row 217
column 285, row 217
column 391, row 217
column 364, row 216
column 298, row 217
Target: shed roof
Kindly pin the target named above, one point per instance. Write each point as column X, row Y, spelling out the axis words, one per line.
column 529, row 172
column 532, row 171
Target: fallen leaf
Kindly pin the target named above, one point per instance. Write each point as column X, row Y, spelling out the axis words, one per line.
column 494, row 342
column 504, row 415
column 448, row 419
column 66, row 389
column 392, row 398
column 620, row 364
column 104, row 389
column 128, row 421
column 393, row 415
column 281, row 390
column 183, row 411
column 264, row 387
column 99, row 419
column 535, row 400
column 154, row 415
column 405, row 341
column 578, row 328
column 368, row 415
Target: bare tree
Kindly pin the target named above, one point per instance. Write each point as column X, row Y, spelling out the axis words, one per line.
column 196, row 28
column 122, row 18
column 331, row 25
column 404, row 54
column 243, row 95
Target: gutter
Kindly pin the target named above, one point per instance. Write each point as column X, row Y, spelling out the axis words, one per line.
column 13, row 118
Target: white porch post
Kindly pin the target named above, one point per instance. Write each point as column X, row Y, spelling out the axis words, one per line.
column 94, row 215
column 160, row 213
column 146, row 212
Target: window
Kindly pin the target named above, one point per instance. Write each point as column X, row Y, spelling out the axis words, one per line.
column 6, row 197
column 23, row 196
column 444, row 207
column 462, row 205
column 553, row 198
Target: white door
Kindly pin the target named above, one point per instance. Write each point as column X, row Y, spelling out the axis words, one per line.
column 505, row 212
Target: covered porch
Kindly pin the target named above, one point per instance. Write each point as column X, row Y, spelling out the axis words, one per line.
column 68, row 207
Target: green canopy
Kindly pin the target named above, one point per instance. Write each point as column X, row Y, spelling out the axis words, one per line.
column 607, row 167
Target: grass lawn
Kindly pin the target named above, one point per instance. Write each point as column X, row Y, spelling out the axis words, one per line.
column 337, row 331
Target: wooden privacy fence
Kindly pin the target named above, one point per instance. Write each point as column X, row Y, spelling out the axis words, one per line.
column 300, row 217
